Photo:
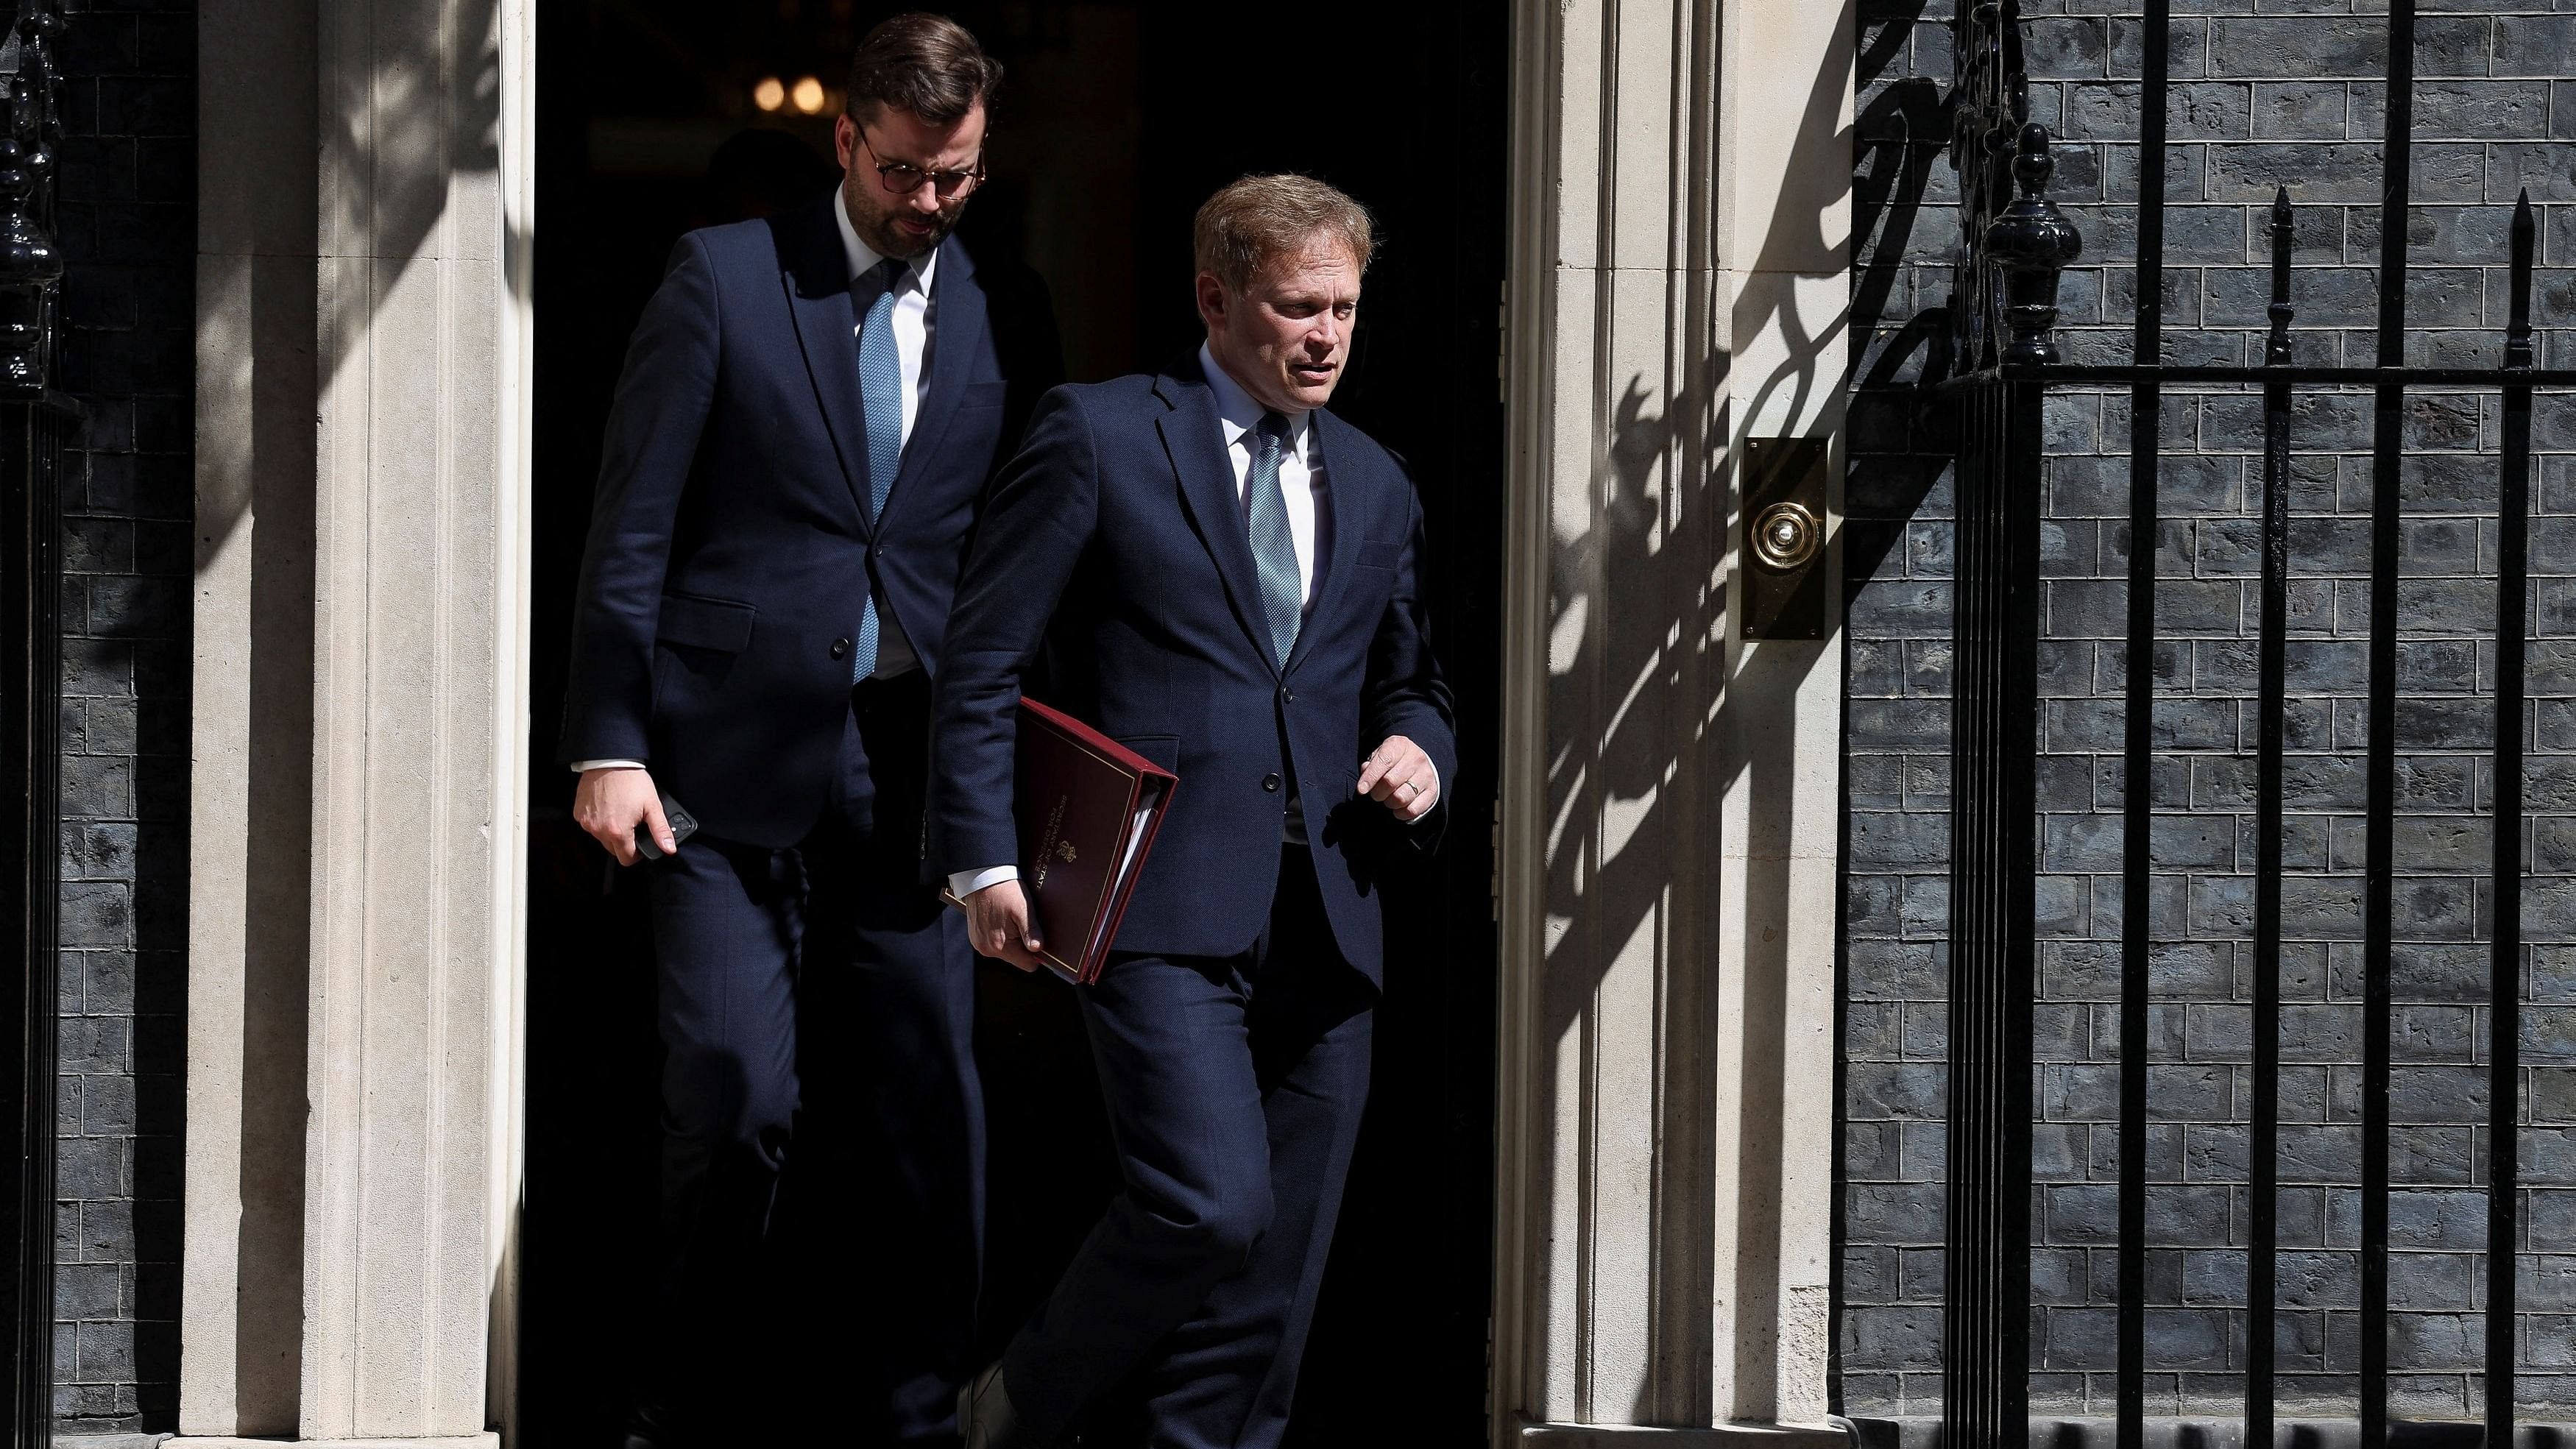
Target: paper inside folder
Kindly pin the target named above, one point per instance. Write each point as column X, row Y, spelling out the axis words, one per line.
column 1149, row 800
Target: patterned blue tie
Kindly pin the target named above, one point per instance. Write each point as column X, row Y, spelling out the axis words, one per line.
column 1274, row 548
column 881, row 403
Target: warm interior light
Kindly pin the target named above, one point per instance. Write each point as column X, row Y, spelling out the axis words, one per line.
column 768, row 94
column 808, row 96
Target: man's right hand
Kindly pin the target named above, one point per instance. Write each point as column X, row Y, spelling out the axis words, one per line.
column 998, row 925
column 608, row 803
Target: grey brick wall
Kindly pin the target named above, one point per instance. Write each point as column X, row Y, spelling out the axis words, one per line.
column 2287, row 95
column 128, row 223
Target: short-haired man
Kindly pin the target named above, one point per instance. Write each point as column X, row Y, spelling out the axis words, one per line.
column 1222, row 575
column 810, row 413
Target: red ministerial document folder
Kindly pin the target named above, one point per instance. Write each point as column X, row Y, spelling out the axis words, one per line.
column 1088, row 808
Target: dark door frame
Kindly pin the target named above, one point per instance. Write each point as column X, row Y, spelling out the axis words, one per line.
column 1422, row 383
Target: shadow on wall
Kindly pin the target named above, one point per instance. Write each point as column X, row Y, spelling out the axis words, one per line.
column 1902, row 128
column 1905, row 212
column 1635, row 812
column 394, row 203
column 391, row 194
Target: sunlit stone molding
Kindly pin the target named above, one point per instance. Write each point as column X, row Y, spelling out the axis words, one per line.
column 1681, row 225
column 360, row 712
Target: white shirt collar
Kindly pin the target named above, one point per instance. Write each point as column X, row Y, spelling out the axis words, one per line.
column 1236, row 411
column 863, row 257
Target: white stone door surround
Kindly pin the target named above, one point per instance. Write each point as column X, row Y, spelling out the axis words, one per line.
column 357, row 819
column 1681, row 219
column 1669, row 830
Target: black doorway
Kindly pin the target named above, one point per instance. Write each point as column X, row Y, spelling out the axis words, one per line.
column 1117, row 120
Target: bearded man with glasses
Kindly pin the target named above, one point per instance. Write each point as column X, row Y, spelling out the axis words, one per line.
column 810, row 411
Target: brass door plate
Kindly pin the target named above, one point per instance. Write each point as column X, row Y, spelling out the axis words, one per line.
column 1784, row 539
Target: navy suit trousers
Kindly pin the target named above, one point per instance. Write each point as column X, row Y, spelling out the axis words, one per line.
column 823, row 1127
column 1234, row 1086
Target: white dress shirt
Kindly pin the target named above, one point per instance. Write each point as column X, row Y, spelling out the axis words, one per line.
column 914, row 323
column 1310, row 512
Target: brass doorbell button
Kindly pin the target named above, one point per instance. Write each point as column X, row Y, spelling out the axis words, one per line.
column 1786, row 536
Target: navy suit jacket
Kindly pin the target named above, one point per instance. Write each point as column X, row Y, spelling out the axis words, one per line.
column 730, row 549
column 1114, row 554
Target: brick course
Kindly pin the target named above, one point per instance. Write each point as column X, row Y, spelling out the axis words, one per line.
column 2261, row 98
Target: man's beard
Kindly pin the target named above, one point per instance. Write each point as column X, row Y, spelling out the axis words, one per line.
column 890, row 240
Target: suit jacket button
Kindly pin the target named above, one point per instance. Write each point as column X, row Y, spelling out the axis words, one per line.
column 840, row 648
column 1270, row 783
column 1289, row 695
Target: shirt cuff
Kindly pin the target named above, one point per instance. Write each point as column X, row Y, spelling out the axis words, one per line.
column 578, row 766
column 965, row 883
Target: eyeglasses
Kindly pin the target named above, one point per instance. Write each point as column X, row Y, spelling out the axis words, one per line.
column 903, row 178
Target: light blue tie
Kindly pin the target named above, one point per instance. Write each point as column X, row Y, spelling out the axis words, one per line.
column 1274, row 548
column 881, row 404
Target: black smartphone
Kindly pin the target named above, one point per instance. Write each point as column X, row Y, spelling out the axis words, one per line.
column 683, row 825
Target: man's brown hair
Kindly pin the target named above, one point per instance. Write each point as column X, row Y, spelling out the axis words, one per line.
column 1259, row 219
column 923, row 63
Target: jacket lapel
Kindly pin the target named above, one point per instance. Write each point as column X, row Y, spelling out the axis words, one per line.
column 1344, row 488
column 1192, row 440
column 956, row 340
column 817, row 276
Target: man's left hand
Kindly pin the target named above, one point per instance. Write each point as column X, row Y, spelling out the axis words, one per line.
column 1399, row 776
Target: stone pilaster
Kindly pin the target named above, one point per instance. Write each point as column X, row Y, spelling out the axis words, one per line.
column 398, row 472
column 1669, row 828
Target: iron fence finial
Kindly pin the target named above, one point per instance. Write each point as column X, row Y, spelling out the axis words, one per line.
column 2031, row 241
column 2013, row 239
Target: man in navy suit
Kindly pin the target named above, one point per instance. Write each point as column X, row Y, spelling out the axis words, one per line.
column 1223, row 576
column 810, row 414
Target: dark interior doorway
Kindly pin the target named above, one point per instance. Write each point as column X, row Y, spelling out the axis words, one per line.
column 1118, row 119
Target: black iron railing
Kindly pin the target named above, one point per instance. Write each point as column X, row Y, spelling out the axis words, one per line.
column 35, row 426
column 2003, row 363
column 2004, row 302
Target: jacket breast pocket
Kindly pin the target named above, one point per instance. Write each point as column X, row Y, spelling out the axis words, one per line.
column 697, row 622
column 1379, row 553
